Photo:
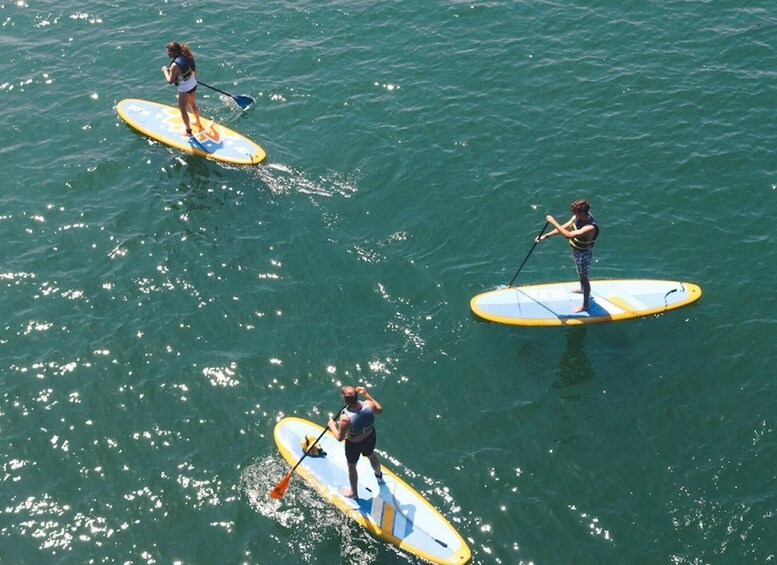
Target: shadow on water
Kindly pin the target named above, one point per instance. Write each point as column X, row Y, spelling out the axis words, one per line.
column 200, row 182
column 574, row 367
column 198, row 171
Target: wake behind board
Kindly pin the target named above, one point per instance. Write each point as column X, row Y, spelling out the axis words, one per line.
column 163, row 123
column 391, row 510
column 611, row 300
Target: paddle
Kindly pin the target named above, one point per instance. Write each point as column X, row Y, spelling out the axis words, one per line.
column 244, row 102
column 529, row 253
column 283, row 484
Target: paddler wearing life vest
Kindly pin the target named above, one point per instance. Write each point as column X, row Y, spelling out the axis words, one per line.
column 181, row 73
column 356, row 426
column 581, row 232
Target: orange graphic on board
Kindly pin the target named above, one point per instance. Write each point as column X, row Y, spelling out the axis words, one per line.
column 212, row 132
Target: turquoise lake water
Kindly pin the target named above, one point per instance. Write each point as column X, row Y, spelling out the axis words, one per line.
column 161, row 312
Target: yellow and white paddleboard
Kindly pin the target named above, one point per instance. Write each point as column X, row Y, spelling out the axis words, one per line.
column 163, row 123
column 391, row 510
column 611, row 300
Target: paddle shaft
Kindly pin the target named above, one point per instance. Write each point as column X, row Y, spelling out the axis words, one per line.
column 214, row 88
column 542, row 231
column 244, row 102
column 326, row 429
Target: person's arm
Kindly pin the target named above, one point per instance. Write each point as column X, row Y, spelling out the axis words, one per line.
column 545, row 236
column 557, row 228
column 564, row 230
column 569, row 234
column 376, row 407
column 171, row 73
column 339, row 431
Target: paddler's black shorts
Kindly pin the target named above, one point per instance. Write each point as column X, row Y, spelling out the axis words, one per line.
column 364, row 447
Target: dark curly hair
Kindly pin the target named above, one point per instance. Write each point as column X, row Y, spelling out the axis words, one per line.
column 581, row 205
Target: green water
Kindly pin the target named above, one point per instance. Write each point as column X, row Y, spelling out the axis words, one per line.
column 162, row 312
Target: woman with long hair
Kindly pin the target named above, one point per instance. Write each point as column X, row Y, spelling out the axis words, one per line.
column 181, row 73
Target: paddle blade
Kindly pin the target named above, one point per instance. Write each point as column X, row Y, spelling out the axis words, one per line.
column 245, row 102
column 280, row 488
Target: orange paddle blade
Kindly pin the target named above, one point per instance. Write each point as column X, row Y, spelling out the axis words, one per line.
column 280, row 488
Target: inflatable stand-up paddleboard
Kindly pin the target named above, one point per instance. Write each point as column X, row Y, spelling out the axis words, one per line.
column 163, row 123
column 392, row 510
column 611, row 301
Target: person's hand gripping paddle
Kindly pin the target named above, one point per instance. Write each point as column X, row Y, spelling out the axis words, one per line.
column 280, row 489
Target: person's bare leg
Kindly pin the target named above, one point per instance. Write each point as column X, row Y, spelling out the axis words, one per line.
column 353, row 478
column 585, row 285
column 375, row 462
column 195, row 110
column 182, row 98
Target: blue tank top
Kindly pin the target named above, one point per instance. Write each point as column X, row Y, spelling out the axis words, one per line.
column 361, row 420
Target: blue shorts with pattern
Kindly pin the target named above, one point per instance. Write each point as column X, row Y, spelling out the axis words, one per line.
column 583, row 260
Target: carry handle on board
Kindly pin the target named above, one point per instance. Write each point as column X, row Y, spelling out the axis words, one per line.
column 283, row 484
column 542, row 231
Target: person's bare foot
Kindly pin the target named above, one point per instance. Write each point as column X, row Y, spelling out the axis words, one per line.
column 577, row 290
column 348, row 493
column 578, row 309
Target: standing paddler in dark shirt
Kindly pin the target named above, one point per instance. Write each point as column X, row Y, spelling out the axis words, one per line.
column 581, row 231
column 355, row 425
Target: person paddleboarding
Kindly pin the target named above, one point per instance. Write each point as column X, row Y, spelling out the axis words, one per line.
column 581, row 231
column 181, row 73
column 356, row 425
